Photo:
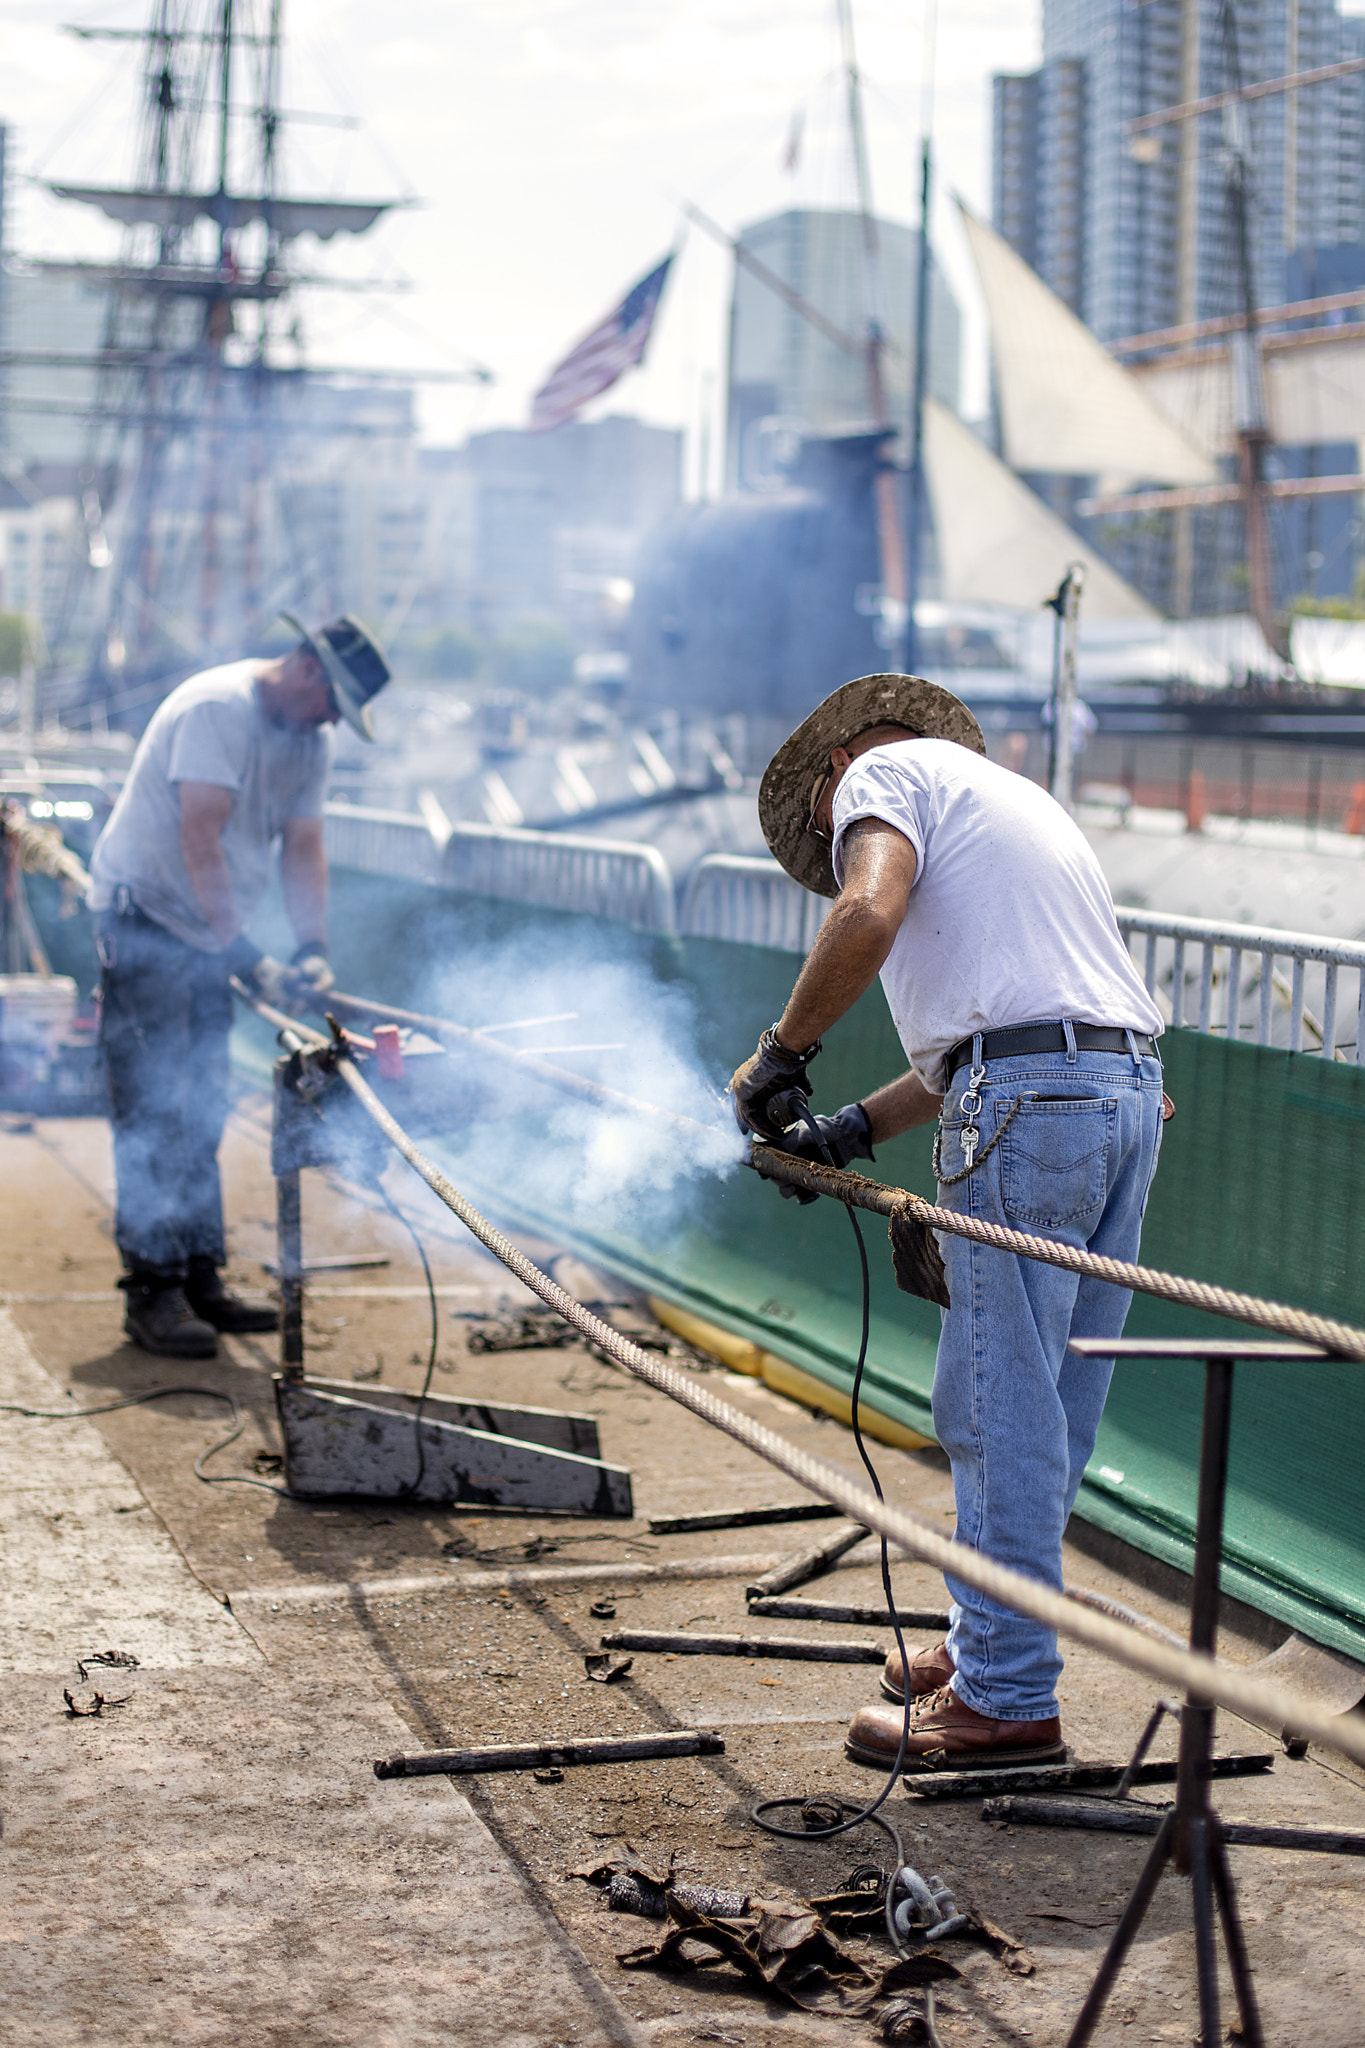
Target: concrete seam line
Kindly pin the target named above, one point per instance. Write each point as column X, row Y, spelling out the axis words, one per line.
column 1203, row 1677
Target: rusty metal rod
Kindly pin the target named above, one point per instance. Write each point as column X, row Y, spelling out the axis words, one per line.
column 868, row 1617
column 1147, row 1820
column 807, row 1564
column 549, row 1756
column 1072, row 1777
column 742, row 1518
column 800, row 1649
column 528, row 1062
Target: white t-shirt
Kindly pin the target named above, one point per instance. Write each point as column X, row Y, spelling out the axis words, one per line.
column 1010, row 919
column 210, row 729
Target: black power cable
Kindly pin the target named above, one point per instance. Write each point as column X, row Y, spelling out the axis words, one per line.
column 160, row 1394
column 394, row 1209
column 870, row 1813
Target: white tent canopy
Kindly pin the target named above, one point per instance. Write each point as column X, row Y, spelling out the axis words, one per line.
column 998, row 543
column 1066, row 407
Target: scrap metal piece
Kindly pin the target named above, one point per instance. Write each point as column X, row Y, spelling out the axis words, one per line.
column 530, row 1756
column 337, row 1441
column 807, row 1564
column 871, row 1617
column 805, row 1649
column 742, row 1518
column 604, row 1668
column 1068, row 1777
column 1147, row 1820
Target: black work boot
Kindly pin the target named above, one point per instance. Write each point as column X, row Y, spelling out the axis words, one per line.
column 218, row 1306
column 158, row 1317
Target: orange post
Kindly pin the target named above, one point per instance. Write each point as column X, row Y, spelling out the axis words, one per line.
column 1355, row 810
column 1196, row 803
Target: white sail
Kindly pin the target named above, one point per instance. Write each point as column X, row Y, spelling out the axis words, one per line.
column 1314, row 392
column 1066, row 407
column 998, row 543
column 288, row 217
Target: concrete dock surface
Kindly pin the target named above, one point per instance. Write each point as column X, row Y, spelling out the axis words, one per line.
column 209, row 1858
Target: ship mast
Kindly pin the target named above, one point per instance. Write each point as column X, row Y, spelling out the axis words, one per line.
column 890, row 539
column 1248, row 379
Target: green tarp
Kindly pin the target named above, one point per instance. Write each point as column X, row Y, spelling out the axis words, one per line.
column 1261, row 1185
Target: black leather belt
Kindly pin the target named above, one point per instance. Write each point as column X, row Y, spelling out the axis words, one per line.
column 1020, row 1038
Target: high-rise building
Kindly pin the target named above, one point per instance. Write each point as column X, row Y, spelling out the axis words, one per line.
column 1135, row 231
column 783, row 368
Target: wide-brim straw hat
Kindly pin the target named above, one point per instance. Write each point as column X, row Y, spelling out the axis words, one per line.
column 785, row 791
column 353, row 663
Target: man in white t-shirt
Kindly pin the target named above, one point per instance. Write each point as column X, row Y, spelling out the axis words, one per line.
column 1032, row 1039
column 234, row 762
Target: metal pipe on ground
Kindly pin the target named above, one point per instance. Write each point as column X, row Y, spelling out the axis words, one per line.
column 1193, row 1672
column 550, row 1756
column 800, row 1649
column 807, row 1564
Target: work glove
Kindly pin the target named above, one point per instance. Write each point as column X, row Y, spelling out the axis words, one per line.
column 311, row 970
column 265, row 976
column 764, row 1089
column 845, row 1136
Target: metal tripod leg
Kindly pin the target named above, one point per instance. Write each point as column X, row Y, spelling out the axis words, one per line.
column 1122, row 1940
column 1235, row 1942
column 1205, row 1945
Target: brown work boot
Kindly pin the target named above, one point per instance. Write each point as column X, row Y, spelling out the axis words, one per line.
column 158, row 1317
column 929, row 1672
column 948, row 1735
column 216, row 1305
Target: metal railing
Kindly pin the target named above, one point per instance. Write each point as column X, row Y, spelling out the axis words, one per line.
column 749, row 899
column 612, row 878
column 1240, row 981
column 1237, row 988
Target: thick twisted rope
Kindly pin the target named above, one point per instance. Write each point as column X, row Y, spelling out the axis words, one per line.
column 1202, row 1676
column 1301, row 1324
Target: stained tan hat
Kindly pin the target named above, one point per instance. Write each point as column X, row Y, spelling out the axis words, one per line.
column 784, row 793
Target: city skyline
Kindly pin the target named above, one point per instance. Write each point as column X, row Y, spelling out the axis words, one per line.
column 698, row 103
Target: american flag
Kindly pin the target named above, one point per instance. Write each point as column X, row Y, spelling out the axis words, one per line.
column 595, row 363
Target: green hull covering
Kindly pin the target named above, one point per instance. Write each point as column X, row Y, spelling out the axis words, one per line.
column 1261, row 1186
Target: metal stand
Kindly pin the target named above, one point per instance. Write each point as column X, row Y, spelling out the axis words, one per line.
column 1191, row 1836
column 384, row 1443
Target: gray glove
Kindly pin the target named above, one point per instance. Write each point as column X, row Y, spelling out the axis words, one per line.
column 311, row 971
column 845, row 1136
column 762, row 1089
column 265, row 976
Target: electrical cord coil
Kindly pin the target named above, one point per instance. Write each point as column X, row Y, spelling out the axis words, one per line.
column 1205, row 1678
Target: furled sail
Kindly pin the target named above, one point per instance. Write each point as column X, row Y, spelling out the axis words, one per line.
column 1314, row 392
column 998, row 543
column 1066, row 407
column 288, row 217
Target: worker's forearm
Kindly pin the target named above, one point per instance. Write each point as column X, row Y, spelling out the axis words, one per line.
column 899, row 1107
column 211, row 882
column 303, row 877
column 849, row 952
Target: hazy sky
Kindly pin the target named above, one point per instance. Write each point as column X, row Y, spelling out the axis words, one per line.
column 548, row 141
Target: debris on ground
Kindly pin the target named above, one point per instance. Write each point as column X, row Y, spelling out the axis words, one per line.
column 527, row 1329
column 783, row 1949
column 630, row 1887
column 603, row 1610
column 111, row 1660
column 98, row 1703
column 603, row 1667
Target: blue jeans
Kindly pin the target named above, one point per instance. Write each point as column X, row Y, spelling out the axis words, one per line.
column 1016, row 1412
column 164, row 1024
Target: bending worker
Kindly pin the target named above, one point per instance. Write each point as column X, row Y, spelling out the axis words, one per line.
column 234, row 760
column 1031, row 1038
